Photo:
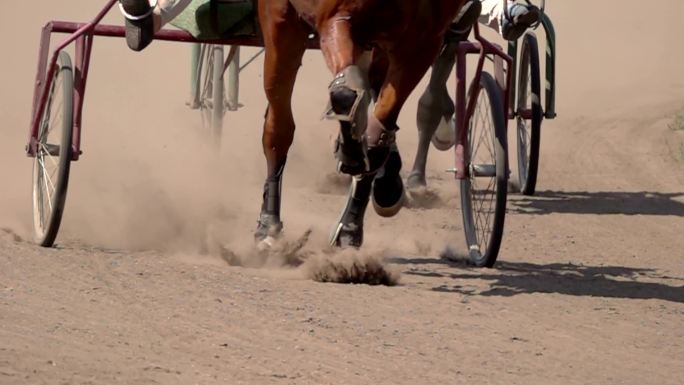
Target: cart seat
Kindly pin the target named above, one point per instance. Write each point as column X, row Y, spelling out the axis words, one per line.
column 223, row 18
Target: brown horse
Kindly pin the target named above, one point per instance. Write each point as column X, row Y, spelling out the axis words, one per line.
column 405, row 36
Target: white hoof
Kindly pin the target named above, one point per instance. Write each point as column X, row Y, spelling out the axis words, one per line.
column 445, row 136
column 266, row 244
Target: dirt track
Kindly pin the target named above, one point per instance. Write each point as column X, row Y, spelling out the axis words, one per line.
column 589, row 288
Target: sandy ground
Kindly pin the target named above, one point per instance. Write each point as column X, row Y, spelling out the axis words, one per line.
column 589, row 288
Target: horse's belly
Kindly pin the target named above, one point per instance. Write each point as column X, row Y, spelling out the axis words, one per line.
column 384, row 23
column 306, row 10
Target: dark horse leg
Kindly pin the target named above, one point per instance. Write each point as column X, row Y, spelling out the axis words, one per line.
column 434, row 106
column 285, row 42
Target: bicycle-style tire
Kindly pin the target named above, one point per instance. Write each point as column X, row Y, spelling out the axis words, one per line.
column 53, row 155
column 484, row 191
column 529, row 115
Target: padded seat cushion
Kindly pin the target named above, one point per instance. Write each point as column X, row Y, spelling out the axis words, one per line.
column 234, row 18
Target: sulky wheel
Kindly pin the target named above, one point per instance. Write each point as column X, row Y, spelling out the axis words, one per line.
column 53, row 154
column 484, row 191
column 529, row 115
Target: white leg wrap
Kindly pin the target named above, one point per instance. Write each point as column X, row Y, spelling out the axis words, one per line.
column 492, row 13
column 153, row 5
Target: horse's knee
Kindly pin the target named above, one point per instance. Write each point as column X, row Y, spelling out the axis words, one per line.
column 349, row 98
column 343, row 100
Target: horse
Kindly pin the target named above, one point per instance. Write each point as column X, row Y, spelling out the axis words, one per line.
column 404, row 38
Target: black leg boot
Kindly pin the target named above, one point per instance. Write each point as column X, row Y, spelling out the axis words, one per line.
column 388, row 188
column 349, row 229
column 269, row 225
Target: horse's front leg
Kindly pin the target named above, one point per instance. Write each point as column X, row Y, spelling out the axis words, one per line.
column 285, row 43
column 349, row 229
column 349, row 92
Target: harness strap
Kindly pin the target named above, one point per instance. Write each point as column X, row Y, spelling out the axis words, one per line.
column 378, row 135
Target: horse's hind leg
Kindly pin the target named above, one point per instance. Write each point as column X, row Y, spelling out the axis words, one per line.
column 388, row 188
column 285, row 43
column 435, row 107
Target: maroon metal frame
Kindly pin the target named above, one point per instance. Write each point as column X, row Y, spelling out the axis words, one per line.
column 83, row 35
column 464, row 108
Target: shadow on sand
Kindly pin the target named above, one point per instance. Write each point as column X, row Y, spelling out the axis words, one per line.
column 511, row 278
column 583, row 202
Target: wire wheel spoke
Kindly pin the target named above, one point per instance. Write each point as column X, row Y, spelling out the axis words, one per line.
column 481, row 188
column 211, row 95
column 484, row 202
column 207, row 84
column 50, row 149
column 45, row 188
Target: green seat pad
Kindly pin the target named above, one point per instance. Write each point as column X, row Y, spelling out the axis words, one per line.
column 235, row 18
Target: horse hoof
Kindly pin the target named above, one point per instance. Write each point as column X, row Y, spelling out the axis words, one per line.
column 387, row 202
column 268, row 229
column 351, row 169
column 265, row 244
column 445, row 135
column 346, row 236
column 416, row 181
column 388, row 188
